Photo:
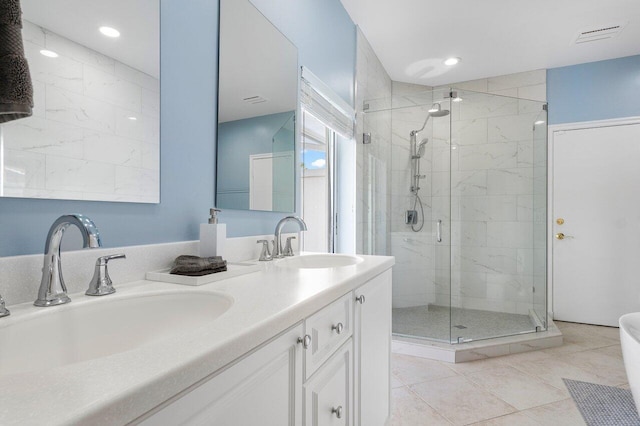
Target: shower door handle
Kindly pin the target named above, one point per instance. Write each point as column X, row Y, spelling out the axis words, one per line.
column 439, row 231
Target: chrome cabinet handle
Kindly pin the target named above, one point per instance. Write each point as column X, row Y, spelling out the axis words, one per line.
column 337, row 411
column 439, row 231
column 360, row 299
column 338, row 327
column 305, row 340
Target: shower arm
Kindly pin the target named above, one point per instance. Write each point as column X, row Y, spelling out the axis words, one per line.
column 415, row 132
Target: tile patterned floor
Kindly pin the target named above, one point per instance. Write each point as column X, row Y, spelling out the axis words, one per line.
column 523, row 389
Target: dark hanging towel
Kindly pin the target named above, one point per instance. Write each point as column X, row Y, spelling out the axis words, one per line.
column 16, row 91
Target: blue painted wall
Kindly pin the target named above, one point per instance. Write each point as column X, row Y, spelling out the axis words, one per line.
column 324, row 35
column 594, row 91
column 326, row 39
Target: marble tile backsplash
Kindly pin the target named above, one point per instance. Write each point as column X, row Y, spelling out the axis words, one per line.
column 95, row 130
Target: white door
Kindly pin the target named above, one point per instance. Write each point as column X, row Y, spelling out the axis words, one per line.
column 261, row 182
column 596, row 206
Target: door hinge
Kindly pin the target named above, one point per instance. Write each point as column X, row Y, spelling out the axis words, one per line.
column 366, row 138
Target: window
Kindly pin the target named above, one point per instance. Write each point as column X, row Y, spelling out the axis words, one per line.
column 328, row 169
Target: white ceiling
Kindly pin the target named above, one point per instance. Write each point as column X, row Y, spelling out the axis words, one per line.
column 137, row 20
column 493, row 37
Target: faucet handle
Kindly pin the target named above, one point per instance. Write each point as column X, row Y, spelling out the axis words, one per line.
column 101, row 283
column 3, row 311
column 105, row 259
column 265, row 254
column 288, row 250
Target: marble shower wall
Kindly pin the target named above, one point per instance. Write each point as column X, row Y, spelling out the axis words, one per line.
column 81, row 142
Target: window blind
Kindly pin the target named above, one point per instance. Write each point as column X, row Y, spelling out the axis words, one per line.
column 320, row 101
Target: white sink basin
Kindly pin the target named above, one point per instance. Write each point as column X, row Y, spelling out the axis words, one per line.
column 53, row 337
column 319, row 261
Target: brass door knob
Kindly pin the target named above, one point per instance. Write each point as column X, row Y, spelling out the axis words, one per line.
column 559, row 221
column 561, row 236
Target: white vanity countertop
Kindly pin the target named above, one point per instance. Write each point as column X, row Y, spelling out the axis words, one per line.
column 119, row 388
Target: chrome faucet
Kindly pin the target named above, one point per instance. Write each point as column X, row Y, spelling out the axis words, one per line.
column 3, row 310
column 278, row 252
column 52, row 289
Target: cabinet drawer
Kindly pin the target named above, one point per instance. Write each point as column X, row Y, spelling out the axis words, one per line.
column 329, row 328
column 328, row 394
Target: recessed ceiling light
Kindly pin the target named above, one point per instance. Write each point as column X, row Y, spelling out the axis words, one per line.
column 132, row 118
column 538, row 122
column 49, row 53
column 110, row 32
column 452, row 61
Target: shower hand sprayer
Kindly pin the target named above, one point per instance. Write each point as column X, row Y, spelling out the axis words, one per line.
column 417, row 151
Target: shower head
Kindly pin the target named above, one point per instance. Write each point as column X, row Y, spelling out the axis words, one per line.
column 437, row 111
column 420, row 148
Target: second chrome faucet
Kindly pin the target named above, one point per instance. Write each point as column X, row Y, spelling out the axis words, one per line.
column 278, row 251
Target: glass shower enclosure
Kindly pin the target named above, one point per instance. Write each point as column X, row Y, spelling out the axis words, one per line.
column 454, row 186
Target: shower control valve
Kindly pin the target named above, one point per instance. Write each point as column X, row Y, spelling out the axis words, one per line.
column 411, row 217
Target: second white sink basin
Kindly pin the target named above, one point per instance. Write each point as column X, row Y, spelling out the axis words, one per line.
column 64, row 335
column 319, row 261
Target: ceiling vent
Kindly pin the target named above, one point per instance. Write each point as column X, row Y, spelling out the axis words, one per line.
column 255, row 99
column 599, row 33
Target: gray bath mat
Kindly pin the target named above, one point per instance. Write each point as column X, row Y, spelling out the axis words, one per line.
column 603, row 405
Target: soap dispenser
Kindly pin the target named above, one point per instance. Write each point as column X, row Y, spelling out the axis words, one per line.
column 212, row 236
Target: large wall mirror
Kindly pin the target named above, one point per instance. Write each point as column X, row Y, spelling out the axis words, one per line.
column 95, row 129
column 257, row 103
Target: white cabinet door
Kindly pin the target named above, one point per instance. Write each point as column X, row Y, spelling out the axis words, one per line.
column 265, row 388
column 373, row 351
column 328, row 395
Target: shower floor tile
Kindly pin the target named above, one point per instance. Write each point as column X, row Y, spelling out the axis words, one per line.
column 441, row 322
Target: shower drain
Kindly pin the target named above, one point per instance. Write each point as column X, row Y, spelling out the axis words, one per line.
column 461, row 327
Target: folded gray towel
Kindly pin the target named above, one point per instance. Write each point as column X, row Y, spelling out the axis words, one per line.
column 197, row 266
column 16, row 90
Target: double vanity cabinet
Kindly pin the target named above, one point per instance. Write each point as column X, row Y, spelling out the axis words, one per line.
column 332, row 368
column 298, row 341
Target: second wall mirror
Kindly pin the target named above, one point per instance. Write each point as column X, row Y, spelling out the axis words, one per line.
column 257, row 104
